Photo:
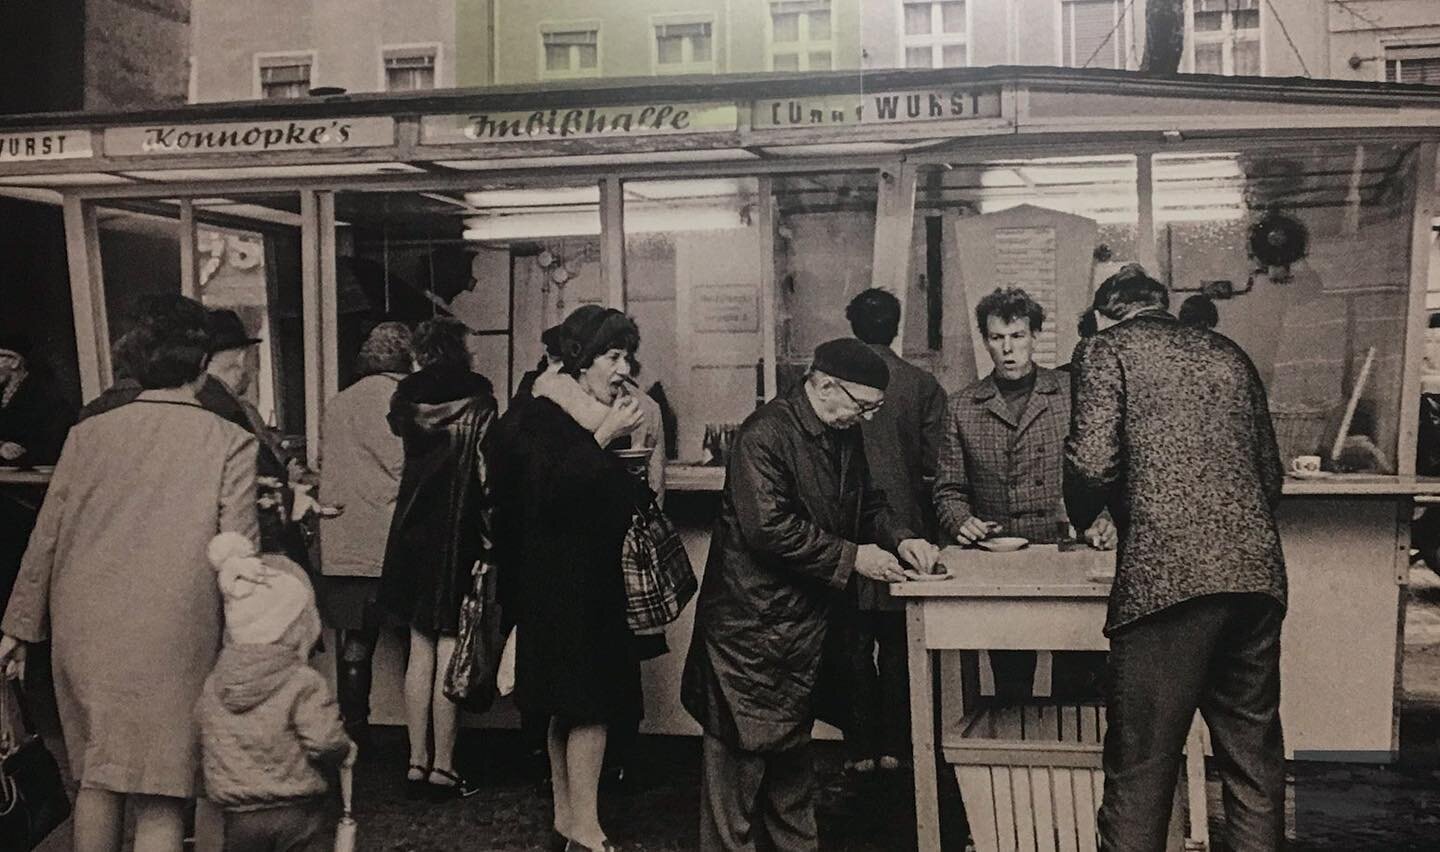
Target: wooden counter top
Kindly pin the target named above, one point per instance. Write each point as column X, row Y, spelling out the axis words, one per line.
column 1039, row 570
column 695, row 477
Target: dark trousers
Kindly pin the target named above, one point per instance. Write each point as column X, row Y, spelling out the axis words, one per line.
column 354, row 669
column 300, row 827
column 743, row 791
column 880, row 684
column 1220, row 654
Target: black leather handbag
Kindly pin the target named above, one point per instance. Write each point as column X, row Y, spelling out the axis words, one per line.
column 33, row 801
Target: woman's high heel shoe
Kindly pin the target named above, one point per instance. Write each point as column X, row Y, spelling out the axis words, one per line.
column 577, row 846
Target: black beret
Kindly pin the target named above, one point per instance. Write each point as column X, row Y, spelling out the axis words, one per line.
column 853, row 361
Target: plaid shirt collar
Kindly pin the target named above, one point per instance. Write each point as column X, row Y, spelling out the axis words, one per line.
column 1046, row 381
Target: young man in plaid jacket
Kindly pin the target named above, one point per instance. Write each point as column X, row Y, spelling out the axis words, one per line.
column 1001, row 461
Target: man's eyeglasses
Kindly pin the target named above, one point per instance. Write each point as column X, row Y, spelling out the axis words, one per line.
column 863, row 406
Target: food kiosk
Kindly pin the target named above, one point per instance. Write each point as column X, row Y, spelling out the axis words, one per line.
column 734, row 216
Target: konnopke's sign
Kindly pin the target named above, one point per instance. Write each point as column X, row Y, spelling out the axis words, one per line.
column 249, row 136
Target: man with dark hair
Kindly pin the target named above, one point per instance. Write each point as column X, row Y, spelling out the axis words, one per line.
column 1000, row 468
column 1171, row 432
column 902, row 447
column 799, row 516
column 1199, row 310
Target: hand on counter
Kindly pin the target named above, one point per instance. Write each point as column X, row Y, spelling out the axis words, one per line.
column 919, row 554
column 1102, row 534
column 877, row 564
column 975, row 529
column 10, row 451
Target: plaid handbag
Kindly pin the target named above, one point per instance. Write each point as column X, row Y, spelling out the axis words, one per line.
column 659, row 580
column 33, row 801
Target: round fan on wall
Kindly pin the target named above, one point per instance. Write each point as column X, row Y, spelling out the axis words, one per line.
column 1276, row 241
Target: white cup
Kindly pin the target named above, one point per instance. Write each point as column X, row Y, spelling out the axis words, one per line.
column 1305, row 464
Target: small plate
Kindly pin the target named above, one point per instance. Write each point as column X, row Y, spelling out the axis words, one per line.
column 916, row 577
column 1003, row 543
column 1310, row 474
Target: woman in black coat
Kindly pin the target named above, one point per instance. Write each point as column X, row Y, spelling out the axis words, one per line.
column 442, row 413
column 562, row 507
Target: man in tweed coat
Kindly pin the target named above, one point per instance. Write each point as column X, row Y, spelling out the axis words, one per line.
column 1171, row 432
column 1000, row 464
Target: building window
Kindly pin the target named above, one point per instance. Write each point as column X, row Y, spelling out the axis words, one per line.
column 409, row 71
column 1094, row 34
column 1413, row 64
column 685, row 48
column 1225, row 37
column 934, row 33
column 571, row 53
column 287, row 78
column 801, row 36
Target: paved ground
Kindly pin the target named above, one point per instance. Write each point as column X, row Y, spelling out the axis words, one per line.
column 1331, row 806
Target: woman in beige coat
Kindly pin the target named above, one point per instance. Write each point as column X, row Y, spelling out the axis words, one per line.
column 116, row 578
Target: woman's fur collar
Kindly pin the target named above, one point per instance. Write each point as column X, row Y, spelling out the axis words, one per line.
column 565, row 392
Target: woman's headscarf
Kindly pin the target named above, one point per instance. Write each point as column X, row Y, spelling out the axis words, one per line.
column 385, row 350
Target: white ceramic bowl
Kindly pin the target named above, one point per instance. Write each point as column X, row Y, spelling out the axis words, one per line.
column 1003, row 543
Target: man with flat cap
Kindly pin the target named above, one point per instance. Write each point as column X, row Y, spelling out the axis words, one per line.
column 798, row 518
column 234, row 359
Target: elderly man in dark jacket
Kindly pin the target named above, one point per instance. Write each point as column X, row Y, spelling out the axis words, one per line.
column 797, row 511
column 1170, row 430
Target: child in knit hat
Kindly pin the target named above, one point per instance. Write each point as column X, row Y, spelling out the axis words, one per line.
column 270, row 732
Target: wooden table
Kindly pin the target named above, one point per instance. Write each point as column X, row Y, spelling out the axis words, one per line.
column 1033, row 599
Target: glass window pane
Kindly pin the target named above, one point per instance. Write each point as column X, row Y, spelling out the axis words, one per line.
column 700, row 48
column 1209, row 59
column 820, row 60
column 787, row 62
column 824, row 259
column 696, row 243
column 1247, row 57
column 953, row 17
column 954, row 56
column 917, row 18
column 1247, row 20
column 819, row 26
column 1309, row 326
column 670, row 50
column 1209, row 22
column 557, row 58
column 1391, row 69
column 589, row 55
column 917, row 57
column 787, row 27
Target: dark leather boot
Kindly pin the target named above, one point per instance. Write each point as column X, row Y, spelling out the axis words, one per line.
column 353, row 694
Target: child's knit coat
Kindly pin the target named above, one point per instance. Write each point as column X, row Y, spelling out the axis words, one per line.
column 268, row 729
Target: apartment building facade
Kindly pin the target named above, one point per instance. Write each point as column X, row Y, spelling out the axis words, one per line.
column 284, row 48
column 281, row 48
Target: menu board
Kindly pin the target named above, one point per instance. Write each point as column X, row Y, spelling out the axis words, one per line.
column 1025, row 258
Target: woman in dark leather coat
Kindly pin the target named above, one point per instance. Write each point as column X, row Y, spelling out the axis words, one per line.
column 442, row 412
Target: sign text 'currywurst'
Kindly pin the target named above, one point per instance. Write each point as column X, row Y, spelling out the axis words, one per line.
column 658, row 119
column 877, row 108
column 249, row 137
column 46, row 145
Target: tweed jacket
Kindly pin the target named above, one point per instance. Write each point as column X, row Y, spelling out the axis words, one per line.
column 1001, row 469
column 1171, row 432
